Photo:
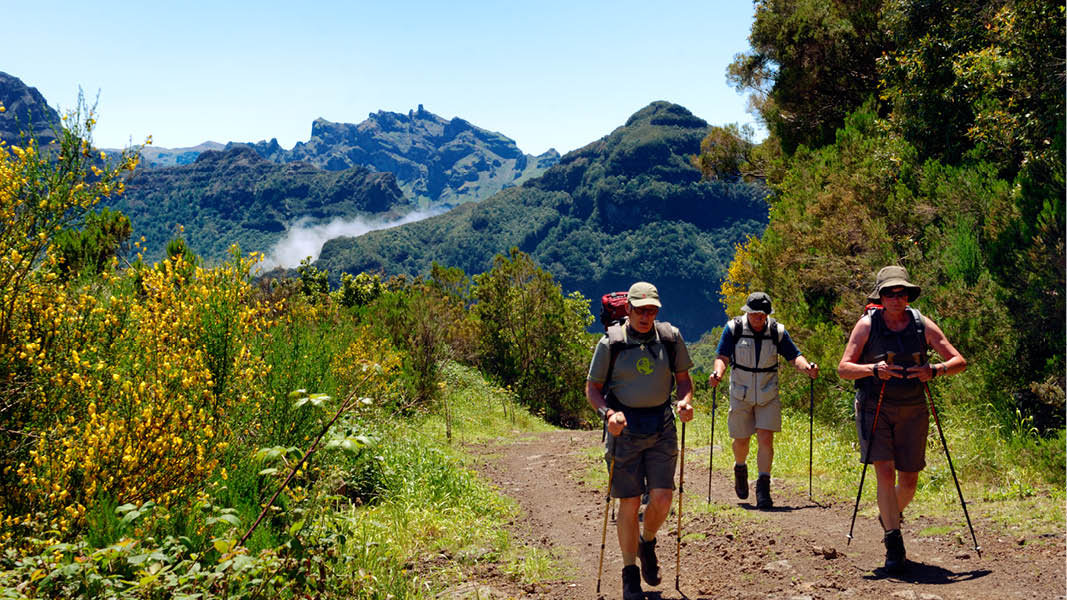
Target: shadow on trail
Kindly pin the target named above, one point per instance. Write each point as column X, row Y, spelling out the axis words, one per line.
column 918, row 572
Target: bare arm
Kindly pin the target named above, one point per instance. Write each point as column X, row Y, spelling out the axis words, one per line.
column 718, row 371
column 594, row 393
column 803, row 365
column 953, row 361
column 685, row 395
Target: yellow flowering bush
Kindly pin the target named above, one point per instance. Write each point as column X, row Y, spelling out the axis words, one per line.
column 134, row 390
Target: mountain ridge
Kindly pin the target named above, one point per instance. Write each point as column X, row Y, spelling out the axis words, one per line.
column 628, row 206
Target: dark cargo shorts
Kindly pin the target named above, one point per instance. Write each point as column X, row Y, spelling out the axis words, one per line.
column 642, row 461
column 900, row 437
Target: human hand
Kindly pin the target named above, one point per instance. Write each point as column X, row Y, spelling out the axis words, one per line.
column 813, row 370
column 885, row 371
column 714, row 379
column 685, row 411
column 616, row 423
column 923, row 373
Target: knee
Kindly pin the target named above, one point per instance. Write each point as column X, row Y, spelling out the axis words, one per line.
column 660, row 498
column 886, row 472
column 907, row 480
column 765, row 438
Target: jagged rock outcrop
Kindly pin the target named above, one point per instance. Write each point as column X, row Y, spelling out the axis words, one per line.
column 25, row 110
column 436, row 161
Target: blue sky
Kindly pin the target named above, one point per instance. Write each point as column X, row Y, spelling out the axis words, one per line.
column 547, row 74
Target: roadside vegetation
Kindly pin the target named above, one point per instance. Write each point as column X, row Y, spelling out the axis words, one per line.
column 186, row 430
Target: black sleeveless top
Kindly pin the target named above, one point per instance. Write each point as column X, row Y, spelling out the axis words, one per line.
column 906, row 345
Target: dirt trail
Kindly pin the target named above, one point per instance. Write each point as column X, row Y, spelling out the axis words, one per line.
column 797, row 551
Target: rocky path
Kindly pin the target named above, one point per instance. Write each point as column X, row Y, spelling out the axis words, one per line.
column 730, row 550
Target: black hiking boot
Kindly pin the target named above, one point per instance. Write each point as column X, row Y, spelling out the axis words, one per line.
column 763, row 493
column 646, row 551
column 895, row 556
column 631, row 583
column 741, row 481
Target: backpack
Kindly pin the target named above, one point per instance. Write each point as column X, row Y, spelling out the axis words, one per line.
column 916, row 319
column 773, row 326
column 613, row 309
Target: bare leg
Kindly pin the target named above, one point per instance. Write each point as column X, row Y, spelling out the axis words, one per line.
column 887, row 495
column 659, row 506
column 627, row 528
column 905, row 489
column 740, row 447
column 765, row 450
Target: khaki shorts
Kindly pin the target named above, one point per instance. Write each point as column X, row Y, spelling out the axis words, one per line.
column 900, row 436
column 642, row 461
column 744, row 419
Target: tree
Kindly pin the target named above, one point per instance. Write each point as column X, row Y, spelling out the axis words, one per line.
column 533, row 337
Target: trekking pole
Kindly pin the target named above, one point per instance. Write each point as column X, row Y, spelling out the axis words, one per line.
column 681, row 490
column 951, row 468
column 811, row 434
column 604, row 530
column 870, row 444
column 711, row 444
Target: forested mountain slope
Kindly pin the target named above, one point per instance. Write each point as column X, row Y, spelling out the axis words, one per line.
column 237, row 197
column 629, row 206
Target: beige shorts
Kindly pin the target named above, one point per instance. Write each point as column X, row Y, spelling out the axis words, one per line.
column 744, row 419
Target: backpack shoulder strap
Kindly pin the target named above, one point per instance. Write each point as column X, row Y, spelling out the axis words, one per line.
column 775, row 329
column 616, row 342
column 666, row 336
column 920, row 328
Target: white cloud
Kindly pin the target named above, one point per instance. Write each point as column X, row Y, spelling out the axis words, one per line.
column 303, row 239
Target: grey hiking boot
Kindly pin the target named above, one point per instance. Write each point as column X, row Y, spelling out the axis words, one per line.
column 631, row 583
column 895, row 556
column 741, row 481
column 646, row 551
column 763, row 493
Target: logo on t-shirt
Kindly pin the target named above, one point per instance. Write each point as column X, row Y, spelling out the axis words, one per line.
column 644, row 365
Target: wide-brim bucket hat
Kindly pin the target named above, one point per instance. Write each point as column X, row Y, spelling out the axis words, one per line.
column 891, row 277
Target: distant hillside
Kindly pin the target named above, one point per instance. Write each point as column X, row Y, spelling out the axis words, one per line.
column 158, row 158
column 629, row 206
column 436, row 161
column 25, row 107
column 235, row 196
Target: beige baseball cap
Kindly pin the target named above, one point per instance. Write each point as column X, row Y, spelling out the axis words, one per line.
column 643, row 293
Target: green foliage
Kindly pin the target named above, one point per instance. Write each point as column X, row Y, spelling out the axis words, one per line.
column 950, row 162
column 533, row 336
column 89, row 251
column 811, row 63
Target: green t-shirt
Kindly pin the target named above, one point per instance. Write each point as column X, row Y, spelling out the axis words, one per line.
column 642, row 375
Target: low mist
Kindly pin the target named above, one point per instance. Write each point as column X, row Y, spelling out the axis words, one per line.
column 303, row 240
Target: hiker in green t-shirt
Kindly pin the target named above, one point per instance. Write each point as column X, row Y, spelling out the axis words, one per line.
column 633, row 370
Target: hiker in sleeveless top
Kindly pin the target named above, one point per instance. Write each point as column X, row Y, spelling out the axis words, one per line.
column 634, row 368
column 881, row 358
column 752, row 343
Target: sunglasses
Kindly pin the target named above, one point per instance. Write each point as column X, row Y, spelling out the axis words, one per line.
column 896, row 294
column 646, row 311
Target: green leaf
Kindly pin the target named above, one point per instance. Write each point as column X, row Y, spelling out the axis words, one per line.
column 224, row 546
column 296, row 527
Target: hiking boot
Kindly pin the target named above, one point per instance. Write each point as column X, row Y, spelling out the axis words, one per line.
column 763, row 493
column 741, row 481
column 631, row 583
column 895, row 556
column 646, row 551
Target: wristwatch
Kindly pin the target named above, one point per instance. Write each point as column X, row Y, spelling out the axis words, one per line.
column 603, row 412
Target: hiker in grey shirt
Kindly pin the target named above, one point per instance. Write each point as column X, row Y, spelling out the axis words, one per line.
column 634, row 368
